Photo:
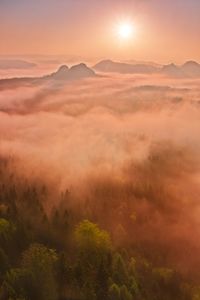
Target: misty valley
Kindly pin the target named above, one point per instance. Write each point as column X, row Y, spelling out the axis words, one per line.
column 99, row 181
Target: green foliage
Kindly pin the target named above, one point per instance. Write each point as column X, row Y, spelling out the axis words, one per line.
column 134, row 288
column 88, row 292
column 4, row 263
column 88, row 267
column 125, row 294
column 93, row 266
column 163, row 274
column 132, row 267
column 119, row 270
column 17, row 285
column 41, row 263
column 36, row 277
column 93, row 246
column 114, row 292
column 6, row 230
column 39, row 258
column 90, row 237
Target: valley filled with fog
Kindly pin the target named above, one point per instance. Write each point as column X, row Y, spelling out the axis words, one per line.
column 120, row 149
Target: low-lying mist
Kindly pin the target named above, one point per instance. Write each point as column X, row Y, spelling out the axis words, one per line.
column 124, row 147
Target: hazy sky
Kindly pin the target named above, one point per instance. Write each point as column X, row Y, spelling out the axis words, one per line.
column 166, row 30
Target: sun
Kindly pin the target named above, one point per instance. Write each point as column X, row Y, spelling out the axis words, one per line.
column 125, row 30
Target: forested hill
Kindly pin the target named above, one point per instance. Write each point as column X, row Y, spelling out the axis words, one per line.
column 64, row 255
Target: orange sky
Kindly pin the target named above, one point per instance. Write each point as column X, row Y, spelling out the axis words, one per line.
column 166, row 30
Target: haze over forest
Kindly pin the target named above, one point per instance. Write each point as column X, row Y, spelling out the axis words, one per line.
column 99, row 150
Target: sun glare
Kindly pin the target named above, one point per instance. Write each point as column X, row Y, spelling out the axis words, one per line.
column 125, row 30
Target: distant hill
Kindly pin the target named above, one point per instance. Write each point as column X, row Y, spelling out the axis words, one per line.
column 172, row 70
column 191, row 68
column 75, row 72
column 188, row 69
column 63, row 74
column 60, row 74
column 15, row 64
column 80, row 71
column 125, row 68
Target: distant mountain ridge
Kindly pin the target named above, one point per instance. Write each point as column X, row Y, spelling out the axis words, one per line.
column 172, row 70
column 63, row 74
column 188, row 69
column 124, row 68
column 79, row 71
column 191, row 68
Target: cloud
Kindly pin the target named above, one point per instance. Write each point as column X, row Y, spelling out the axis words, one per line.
column 100, row 118
column 124, row 145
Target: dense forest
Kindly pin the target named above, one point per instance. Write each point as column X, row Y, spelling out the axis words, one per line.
column 115, row 240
